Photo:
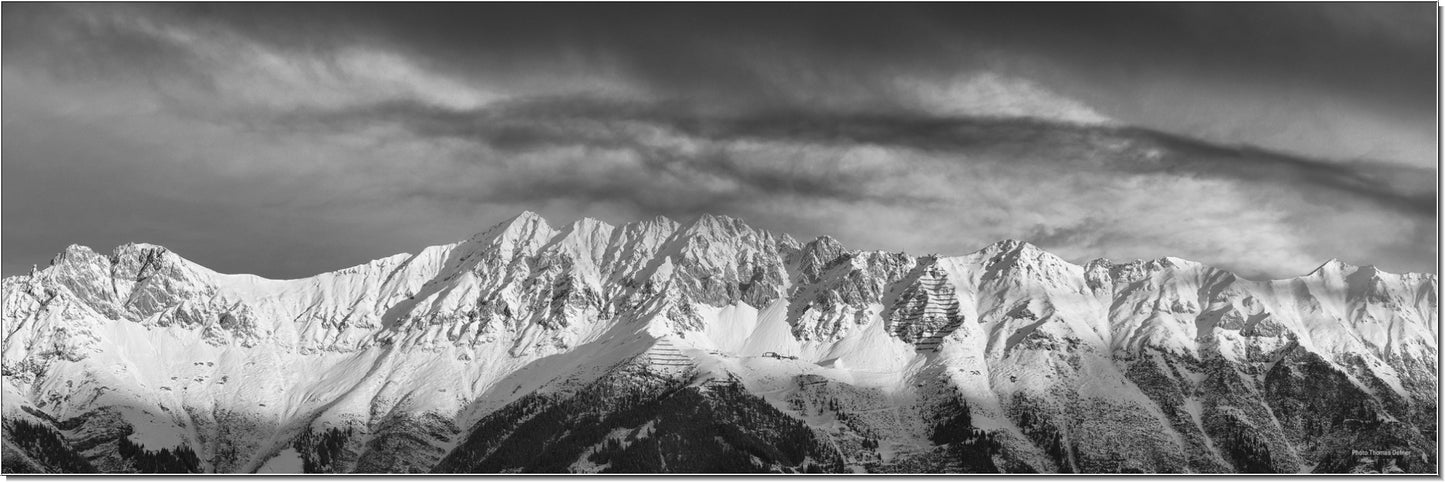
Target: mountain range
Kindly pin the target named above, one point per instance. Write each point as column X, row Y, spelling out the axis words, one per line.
column 711, row 346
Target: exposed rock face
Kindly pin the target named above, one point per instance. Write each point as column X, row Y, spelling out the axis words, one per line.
column 927, row 310
column 478, row 356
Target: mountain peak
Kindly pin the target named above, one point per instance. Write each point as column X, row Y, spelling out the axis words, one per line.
column 527, row 231
column 826, row 242
column 1332, row 267
column 1012, row 246
column 716, row 223
column 718, row 218
column 527, row 217
column 1098, row 263
column 133, row 251
column 133, row 246
column 525, row 220
column 1175, row 262
column 1014, row 256
column 819, row 252
column 76, row 254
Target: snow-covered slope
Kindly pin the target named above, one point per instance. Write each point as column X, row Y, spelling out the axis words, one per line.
column 1007, row 359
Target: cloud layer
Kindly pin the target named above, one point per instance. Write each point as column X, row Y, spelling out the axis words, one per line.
column 251, row 145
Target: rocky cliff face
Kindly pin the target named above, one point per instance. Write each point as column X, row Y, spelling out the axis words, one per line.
column 484, row 354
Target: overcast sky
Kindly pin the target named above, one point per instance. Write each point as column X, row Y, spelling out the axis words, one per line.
column 286, row 140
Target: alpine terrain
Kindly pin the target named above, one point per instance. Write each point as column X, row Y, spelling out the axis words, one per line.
column 711, row 346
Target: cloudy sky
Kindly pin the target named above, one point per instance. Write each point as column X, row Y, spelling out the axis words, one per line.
column 286, row 140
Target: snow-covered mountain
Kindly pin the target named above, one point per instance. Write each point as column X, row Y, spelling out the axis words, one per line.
column 712, row 346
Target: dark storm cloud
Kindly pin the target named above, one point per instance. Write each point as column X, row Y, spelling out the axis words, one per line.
column 1384, row 51
column 1347, row 45
column 1381, row 51
column 295, row 138
column 540, row 124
